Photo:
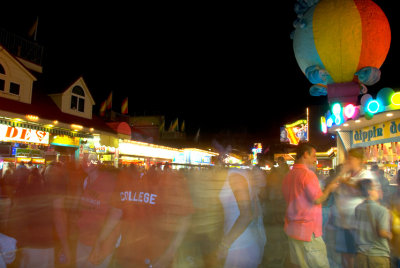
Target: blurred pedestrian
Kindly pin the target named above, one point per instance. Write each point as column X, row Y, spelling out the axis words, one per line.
column 154, row 218
column 347, row 198
column 372, row 228
column 385, row 186
column 34, row 221
column 303, row 220
column 94, row 207
column 244, row 236
column 394, row 206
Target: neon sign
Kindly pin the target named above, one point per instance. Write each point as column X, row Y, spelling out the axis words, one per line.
column 19, row 134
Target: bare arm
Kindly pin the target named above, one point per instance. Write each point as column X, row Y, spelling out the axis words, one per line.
column 111, row 222
column 385, row 234
column 327, row 191
column 61, row 225
column 169, row 254
column 240, row 189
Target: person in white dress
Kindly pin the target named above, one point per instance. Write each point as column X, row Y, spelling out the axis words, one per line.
column 244, row 237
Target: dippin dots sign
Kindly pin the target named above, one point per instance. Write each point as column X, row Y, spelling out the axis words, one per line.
column 19, row 134
column 389, row 129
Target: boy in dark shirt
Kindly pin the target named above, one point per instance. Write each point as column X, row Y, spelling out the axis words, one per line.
column 373, row 229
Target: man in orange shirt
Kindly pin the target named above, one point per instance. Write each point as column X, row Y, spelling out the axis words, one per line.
column 303, row 218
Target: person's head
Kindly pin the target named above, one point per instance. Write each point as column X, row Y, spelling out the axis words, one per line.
column 355, row 158
column 306, row 154
column 375, row 168
column 281, row 161
column 368, row 190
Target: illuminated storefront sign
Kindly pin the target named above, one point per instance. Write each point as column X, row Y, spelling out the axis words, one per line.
column 147, row 150
column 19, row 134
column 181, row 156
column 378, row 132
column 64, row 140
column 26, row 152
column 295, row 133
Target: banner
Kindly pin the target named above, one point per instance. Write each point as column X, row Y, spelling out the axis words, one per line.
column 385, row 130
column 294, row 133
column 19, row 134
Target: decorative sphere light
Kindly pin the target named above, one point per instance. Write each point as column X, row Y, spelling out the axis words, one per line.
column 324, row 126
column 373, row 107
column 329, row 122
column 336, row 109
column 395, row 99
column 384, row 96
column 349, row 110
column 338, row 120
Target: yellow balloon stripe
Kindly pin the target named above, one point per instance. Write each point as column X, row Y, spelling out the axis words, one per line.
column 338, row 43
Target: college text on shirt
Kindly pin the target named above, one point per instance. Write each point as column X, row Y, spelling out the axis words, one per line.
column 140, row 197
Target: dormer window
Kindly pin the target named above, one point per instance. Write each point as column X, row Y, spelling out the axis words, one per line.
column 78, row 99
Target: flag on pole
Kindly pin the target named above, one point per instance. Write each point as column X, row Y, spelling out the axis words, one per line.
column 33, row 31
column 162, row 126
column 196, row 138
column 109, row 101
column 103, row 108
column 183, row 126
column 174, row 126
column 124, row 107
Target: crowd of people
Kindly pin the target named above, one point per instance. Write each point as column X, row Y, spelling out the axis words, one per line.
column 349, row 219
column 91, row 215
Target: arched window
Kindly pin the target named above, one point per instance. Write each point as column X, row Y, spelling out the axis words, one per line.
column 78, row 99
column 2, row 71
column 2, row 78
column 78, row 91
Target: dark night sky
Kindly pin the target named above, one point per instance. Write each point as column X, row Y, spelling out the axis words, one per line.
column 228, row 70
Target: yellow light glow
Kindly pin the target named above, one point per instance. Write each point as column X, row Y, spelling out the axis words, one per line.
column 346, row 125
column 76, row 127
column 49, row 125
column 91, row 129
column 298, row 122
column 32, row 117
column 389, row 114
column 55, row 122
column 358, row 121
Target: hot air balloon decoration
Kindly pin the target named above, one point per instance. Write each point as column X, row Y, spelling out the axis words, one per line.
column 340, row 45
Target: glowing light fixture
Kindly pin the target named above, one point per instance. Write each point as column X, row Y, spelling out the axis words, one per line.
column 32, row 117
column 358, row 121
column 324, row 126
column 329, row 122
column 349, row 110
column 373, row 107
column 389, row 114
column 336, row 109
column 91, row 129
column 76, row 127
column 346, row 125
column 395, row 99
column 338, row 129
column 338, row 120
column 55, row 122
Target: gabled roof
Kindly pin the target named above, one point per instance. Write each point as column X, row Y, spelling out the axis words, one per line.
column 82, row 81
column 44, row 107
column 17, row 62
